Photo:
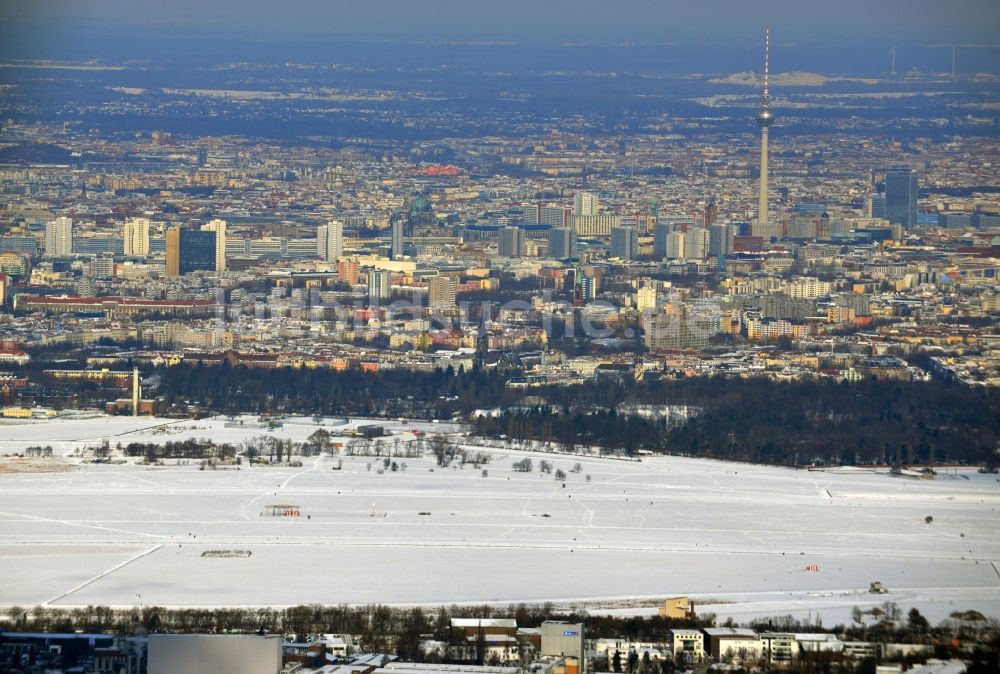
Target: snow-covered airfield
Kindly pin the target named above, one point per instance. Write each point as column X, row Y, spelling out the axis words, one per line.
column 737, row 538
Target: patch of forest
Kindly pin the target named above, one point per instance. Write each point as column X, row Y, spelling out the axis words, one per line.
column 788, row 423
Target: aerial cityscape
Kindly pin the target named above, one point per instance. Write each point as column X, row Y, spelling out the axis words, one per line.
column 438, row 338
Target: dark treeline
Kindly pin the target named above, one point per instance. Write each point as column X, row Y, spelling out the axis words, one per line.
column 788, row 423
column 182, row 449
column 792, row 423
column 322, row 391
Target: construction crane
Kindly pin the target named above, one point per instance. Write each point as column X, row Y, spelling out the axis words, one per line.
column 955, row 47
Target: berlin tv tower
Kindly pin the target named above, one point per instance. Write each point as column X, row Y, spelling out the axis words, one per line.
column 765, row 118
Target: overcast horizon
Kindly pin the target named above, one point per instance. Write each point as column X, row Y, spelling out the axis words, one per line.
column 901, row 21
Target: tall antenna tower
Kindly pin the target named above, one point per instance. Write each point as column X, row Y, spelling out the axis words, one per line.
column 765, row 118
column 892, row 52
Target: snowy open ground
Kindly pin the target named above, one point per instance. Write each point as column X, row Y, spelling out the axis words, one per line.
column 735, row 537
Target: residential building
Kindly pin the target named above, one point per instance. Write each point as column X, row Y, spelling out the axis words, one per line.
column 136, row 237
column 595, row 225
column 585, row 203
column 646, row 299
column 59, row 237
column 330, row 241
column 348, row 272
column 556, row 216
column 378, row 284
column 442, row 291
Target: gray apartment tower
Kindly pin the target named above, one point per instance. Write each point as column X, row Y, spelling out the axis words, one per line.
column 562, row 243
column 624, row 243
column 510, row 242
column 396, row 251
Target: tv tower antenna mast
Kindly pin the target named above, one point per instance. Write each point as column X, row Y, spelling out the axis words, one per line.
column 765, row 118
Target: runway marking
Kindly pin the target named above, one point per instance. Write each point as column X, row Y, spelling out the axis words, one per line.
column 246, row 506
column 81, row 524
column 102, row 574
column 590, row 513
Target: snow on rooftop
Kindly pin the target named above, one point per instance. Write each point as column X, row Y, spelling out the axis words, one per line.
column 483, row 622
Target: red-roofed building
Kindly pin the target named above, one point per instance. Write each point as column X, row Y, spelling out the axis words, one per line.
column 112, row 307
column 12, row 354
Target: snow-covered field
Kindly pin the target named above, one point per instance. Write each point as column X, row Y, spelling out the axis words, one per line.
column 737, row 538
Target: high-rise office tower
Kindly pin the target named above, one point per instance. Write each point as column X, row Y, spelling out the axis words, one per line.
column 136, row 237
column 330, row 241
column 696, row 243
column 675, row 245
column 189, row 250
column 661, row 230
column 901, row 190
column 624, row 243
column 585, row 203
column 396, row 252
column 378, row 284
column 720, row 239
column 510, row 242
column 219, row 227
column 765, row 118
column 562, row 243
column 172, row 241
column 59, row 237
column 443, row 290
column 876, row 206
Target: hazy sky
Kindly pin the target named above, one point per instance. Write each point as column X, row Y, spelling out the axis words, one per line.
column 529, row 20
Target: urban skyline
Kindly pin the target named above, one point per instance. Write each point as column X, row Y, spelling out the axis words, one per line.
column 652, row 338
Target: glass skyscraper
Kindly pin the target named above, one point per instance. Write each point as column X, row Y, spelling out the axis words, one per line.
column 189, row 250
column 901, row 188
